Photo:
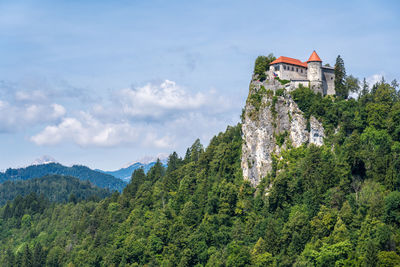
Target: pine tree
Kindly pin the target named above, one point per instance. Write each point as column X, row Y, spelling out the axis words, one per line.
column 39, row 256
column 364, row 88
column 156, row 172
column 370, row 258
column 72, row 198
column 7, row 212
column 9, row 258
column 174, row 162
column 394, row 84
column 195, row 150
column 26, row 257
column 170, row 179
column 340, row 78
column 138, row 177
column 186, row 159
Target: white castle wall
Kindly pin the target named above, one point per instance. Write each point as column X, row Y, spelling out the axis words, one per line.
column 290, row 72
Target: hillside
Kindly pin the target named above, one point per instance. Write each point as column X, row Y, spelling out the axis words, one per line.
column 81, row 172
column 335, row 204
column 56, row 188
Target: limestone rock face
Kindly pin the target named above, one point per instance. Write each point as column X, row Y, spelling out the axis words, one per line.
column 272, row 121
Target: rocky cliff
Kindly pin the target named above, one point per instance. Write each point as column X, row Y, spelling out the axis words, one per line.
column 272, row 121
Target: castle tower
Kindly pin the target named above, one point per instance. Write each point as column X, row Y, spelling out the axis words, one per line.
column 314, row 73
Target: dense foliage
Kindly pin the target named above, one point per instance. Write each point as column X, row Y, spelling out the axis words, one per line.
column 262, row 65
column 99, row 179
column 56, row 188
column 334, row 205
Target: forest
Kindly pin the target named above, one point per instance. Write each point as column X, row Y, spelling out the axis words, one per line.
column 334, row 205
column 56, row 188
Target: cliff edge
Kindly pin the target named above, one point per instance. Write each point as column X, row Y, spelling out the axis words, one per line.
column 272, row 122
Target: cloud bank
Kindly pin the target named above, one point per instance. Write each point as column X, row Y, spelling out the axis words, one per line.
column 154, row 115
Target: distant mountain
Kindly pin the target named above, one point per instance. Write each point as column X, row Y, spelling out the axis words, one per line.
column 97, row 178
column 125, row 173
column 56, row 188
column 44, row 160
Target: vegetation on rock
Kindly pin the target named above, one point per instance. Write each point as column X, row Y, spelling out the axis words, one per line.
column 262, row 65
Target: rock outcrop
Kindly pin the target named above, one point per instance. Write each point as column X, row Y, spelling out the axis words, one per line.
column 271, row 122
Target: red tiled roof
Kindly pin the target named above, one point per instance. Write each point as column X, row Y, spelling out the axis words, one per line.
column 289, row 60
column 314, row 57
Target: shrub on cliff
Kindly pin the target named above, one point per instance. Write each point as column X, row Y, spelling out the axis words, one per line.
column 262, row 65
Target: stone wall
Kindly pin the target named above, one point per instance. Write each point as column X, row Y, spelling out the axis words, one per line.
column 294, row 84
column 328, row 78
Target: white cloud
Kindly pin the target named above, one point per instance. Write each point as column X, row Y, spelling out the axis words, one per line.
column 37, row 102
column 152, row 140
column 15, row 116
column 157, row 100
column 373, row 79
column 87, row 131
column 59, row 110
column 34, row 96
column 153, row 116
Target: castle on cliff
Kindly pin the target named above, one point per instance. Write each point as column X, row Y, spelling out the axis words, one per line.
column 321, row 79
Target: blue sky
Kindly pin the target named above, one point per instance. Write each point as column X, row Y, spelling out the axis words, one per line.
column 103, row 83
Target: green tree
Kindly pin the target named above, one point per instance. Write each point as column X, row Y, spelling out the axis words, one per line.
column 156, row 172
column 26, row 260
column 340, row 78
column 195, row 150
column 364, row 88
column 262, row 65
column 352, row 84
column 392, row 207
column 174, row 162
column 39, row 256
column 137, row 179
column 259, row 255
column 9, row 258
column 238, row 255
column 26, row 221
column 388, row 259
column 72, row 198
column 55, row 257
column 394, row 84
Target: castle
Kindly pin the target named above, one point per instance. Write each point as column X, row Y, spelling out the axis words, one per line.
column 321, row 79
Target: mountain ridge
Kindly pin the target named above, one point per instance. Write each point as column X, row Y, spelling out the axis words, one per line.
column 125, row 173
column 102, row 180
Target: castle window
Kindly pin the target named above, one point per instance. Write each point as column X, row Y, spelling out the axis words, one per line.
column 301, row 70
column 297, row 69
column 284, row 67
column 292, row 68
